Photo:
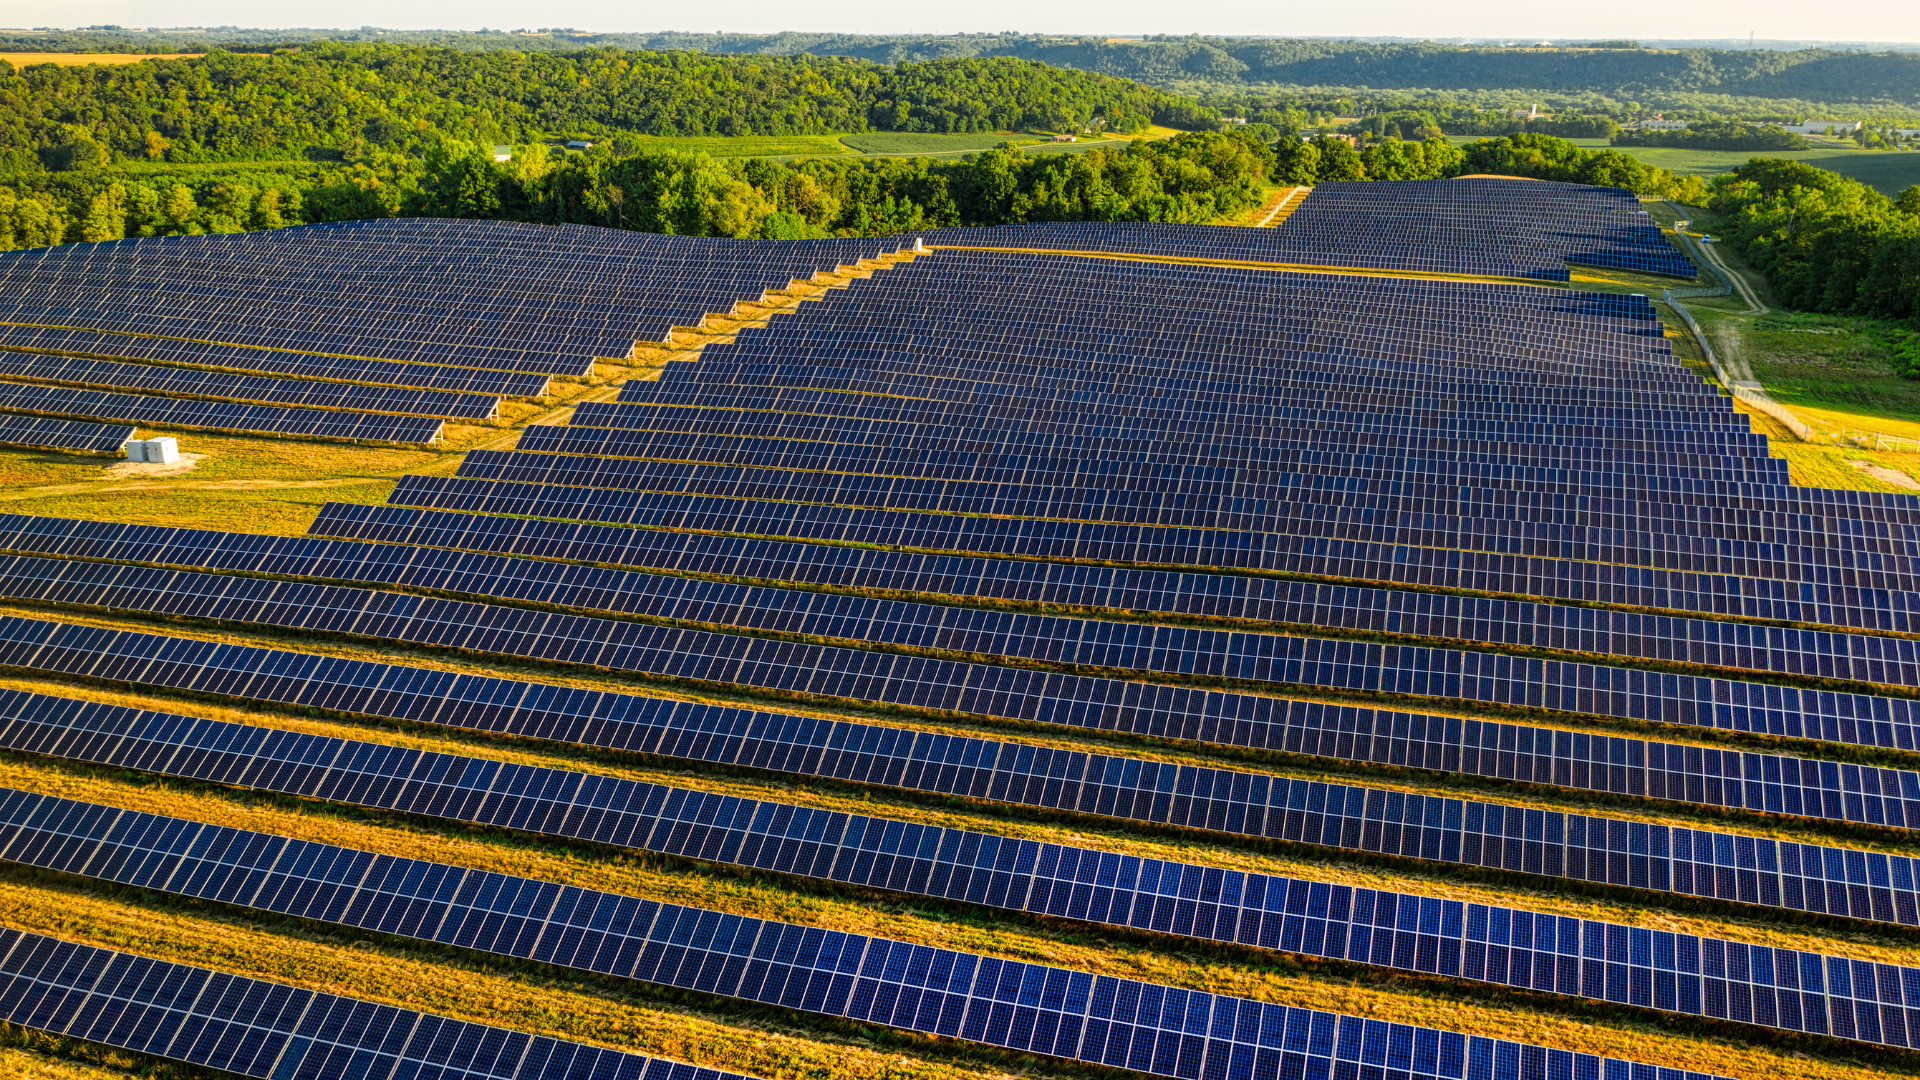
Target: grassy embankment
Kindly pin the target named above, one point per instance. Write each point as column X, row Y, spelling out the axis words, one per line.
column 1835, row 372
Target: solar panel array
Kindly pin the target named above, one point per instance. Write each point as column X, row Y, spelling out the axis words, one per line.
column 1647, row 768
column 44, row 433
column 254, row 1028
column 478, row 294
column 188, row 382
column 1152, row 1029
column 1483, row 226
column 1475, row 646
column 148, row 411
column 271, row 361
column 1861, row 884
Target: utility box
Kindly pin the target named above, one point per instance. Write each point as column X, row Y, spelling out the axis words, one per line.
column 162, row 451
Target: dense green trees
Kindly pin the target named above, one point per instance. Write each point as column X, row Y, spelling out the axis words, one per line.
column 1199, row 176
column 1718, row 135
column 327, row 100
column 1333, row 159
column 1543, row 157
column 1620, row 72
column 1538, row 157
column 1824, row 242
column 1194, row 177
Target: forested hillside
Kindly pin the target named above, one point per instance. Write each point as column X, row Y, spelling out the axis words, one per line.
column 1664, row 77
column 1810, row 74
column 342, row 98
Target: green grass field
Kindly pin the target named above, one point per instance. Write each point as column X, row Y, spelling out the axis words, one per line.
column 908, row 142
column 749, row 145
column 1887, row 171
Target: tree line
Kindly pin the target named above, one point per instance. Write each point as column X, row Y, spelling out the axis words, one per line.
column 1617, row 69
column 1527, row 154
column 333, row 100
column 1824, row 243
column 1193, row 177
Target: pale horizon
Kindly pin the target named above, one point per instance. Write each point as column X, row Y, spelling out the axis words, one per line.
column 1765, row 20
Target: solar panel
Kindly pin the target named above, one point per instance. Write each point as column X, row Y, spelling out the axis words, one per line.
column 188, row 382
column 204, row 354
column 44, row 433
column 1640, row 767
column 1171, row 711
column 1661, row 858
column 1604, row 961
column 219, row 416
column 255, row 1028
column 1491, row 226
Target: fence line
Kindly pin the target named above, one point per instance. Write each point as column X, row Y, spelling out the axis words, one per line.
column 1756, row 398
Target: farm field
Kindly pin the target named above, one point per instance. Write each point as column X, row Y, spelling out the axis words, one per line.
column 832, row 571
column 731, row 146
column 907, row 142
column 26, row 59
column 1889, row 172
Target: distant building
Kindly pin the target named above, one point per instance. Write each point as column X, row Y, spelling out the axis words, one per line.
column 1658, row 125
column 1064, row 138
column 503, row 153
column 1819, row 127
column 579, row 144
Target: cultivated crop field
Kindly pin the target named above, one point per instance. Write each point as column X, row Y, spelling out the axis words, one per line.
column 27, row 59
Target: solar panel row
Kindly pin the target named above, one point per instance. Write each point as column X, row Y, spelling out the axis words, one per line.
column 1181, row 712
column 213, row 384
column 1482, row 226
column 270, row 1031
column 95, row 993
column 45, row 433
column 1552, row 843
column 220, row 416
column 1193, row 713
column 475, row 294
column 270, row 361
column 1638, row 767
column 675, row 945
column 1628, row 634
column 1855, row 600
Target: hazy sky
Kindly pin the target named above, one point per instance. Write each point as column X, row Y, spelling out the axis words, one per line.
column 1835, row 20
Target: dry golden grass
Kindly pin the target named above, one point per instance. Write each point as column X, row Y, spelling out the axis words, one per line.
column 70, row 59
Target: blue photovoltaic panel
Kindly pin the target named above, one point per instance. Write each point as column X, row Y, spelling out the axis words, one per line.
column 494, row 295
column 45, row 433
column 1181, row 712
column 204, row 354
column 1744, row 869
column 271, row 1031
column 1637, row 767
column 1660, row 970
column 1144, row 1027
column 1490, row 226
column 218, row 415
column 1630, row 635
column 190, row 382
